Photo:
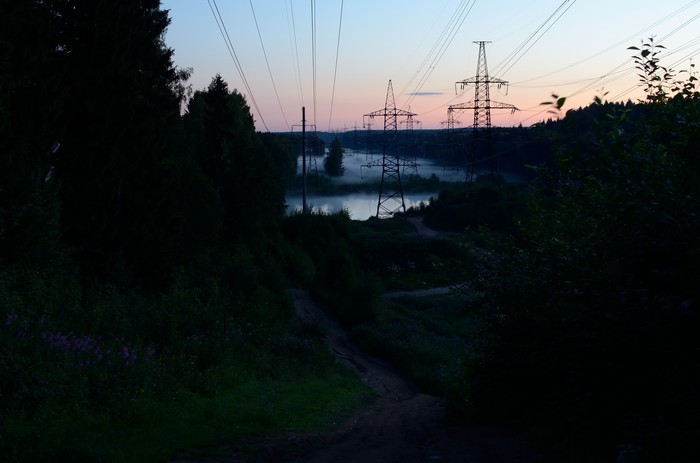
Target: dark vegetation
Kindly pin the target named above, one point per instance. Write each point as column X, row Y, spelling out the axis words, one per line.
column 143, row 273
column 493, row 204
column 578, row 316
column 333, row 163
column 145, row 259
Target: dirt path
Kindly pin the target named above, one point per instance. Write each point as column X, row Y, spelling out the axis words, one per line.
column 404, row 425
column 423, row 229
column 401, row 426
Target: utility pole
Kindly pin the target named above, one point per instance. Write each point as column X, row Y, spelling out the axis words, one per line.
column 482, row 105
column 303, row 159
column 390, row 188
column 306, row 167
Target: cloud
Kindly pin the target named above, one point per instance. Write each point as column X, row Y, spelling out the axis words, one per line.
column 426, row 93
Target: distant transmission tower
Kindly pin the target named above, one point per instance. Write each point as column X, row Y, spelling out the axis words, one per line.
column 482, row 105
column 457, row 149
column 409, row 161
column 390, row 188
column 368, row 140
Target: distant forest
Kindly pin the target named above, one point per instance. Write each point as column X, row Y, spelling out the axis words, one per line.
column 511, row 149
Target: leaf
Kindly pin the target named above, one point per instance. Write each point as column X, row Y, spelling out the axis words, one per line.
column 633, row 48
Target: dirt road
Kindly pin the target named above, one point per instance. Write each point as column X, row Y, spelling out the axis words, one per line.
column 404, row 425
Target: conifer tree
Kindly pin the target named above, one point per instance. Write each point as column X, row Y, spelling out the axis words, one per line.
column 333, row 164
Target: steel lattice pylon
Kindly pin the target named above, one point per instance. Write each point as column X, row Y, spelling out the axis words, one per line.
column 409, row 161
column 390, row 188
column 481, row 104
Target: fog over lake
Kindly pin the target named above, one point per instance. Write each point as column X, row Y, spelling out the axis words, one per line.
column 362, row 206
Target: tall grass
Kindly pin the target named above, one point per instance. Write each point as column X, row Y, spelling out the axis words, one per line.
column 101, row 374
column 430, row 339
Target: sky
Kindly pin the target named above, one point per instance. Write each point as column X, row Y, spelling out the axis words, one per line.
column 336, row 57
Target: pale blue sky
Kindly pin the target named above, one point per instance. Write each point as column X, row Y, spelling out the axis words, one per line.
column 581, row 51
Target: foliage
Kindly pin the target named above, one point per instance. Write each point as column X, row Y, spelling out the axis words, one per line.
column 142, row 301
column 493, row 205
column 592, row 312
column 81, row 365
column 419, row 336
column 405, row 260
column 659, row 82
column 29, row 209
column 339, row 280
column 236, row 161
column 333, row 163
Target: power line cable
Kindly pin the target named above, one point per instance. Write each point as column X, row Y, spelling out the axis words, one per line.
column 629, row 60
column 440, row 107
column 690, row 55
column 229, row 45
column 511, row 61
column 561, row 84
column 505, row 71
column 297, row 67
column 313, row 54
column 630, row 70
column 680, row 27
column 611, row 47
column 522, row 45
column 335, row 72
column 435, row 46
column 267, row 62
column 414, row 49
column 456, row 26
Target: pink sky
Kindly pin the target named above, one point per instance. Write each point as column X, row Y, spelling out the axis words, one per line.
column 572, row 48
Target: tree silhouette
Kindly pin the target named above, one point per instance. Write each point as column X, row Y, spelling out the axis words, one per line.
column 333, row 164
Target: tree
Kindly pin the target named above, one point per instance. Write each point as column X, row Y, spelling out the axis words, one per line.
column 235, row 159
column 600, row 289
column 333, row 164
column 112, row 93
column 30, row 115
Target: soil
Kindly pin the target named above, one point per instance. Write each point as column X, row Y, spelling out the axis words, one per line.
column 403, row 425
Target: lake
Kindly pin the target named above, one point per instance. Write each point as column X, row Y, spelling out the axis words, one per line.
column 362, row 206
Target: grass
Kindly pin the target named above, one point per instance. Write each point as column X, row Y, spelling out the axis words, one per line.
column 427, row 338
column 392, row 250
column 191, row 425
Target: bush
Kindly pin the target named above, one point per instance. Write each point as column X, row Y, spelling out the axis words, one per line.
column 592, row 312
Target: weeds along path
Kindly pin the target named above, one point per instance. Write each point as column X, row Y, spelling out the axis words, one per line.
column 403, row 425
column 377, row 375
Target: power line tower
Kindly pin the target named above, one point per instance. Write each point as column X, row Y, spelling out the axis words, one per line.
column 309, row 147
column 355, row 136
column 368, row 140
column 390, row 188
column 410, row 160
column 482, row 105
column 456, row 149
